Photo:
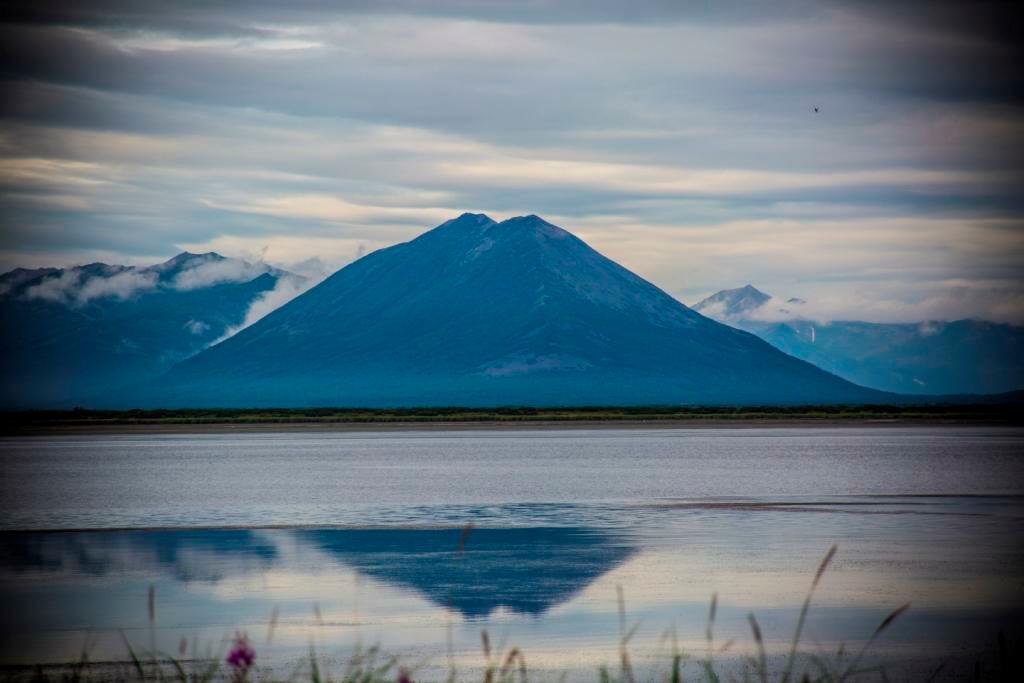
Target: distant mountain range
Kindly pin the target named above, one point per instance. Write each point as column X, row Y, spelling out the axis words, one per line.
column 473, row 313
column 930, row 357
column 77, row 335
column 481, row 313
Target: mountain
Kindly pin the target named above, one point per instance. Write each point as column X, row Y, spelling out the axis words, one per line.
column 732, row 303
column 932, row 357
column 19, row 276
column 69, row 335
column 479, row 313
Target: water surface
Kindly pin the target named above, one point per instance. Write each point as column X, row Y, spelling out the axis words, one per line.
column 356, row 537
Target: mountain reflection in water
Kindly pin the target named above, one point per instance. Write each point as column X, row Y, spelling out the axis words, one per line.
column 527, row 571
column 524, row 570
column 185, row 555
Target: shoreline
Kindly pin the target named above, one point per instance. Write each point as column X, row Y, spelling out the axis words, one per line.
column 326, row 426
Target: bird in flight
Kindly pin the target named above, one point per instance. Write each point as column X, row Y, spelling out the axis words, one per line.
column 815, row 110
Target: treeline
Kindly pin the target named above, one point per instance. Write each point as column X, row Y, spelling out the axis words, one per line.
column 1002, row 413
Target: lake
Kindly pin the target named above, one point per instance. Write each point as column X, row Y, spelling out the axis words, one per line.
column 356, row 538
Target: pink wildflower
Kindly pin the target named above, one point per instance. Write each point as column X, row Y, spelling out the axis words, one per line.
column 241, row 655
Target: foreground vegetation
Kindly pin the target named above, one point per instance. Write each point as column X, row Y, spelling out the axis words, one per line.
column 44, row 419
column 239, row 661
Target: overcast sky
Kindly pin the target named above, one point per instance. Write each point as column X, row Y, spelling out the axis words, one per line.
column 678, row 138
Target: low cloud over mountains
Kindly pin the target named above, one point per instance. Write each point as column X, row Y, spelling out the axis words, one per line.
column 72, row 334
column 912, row 356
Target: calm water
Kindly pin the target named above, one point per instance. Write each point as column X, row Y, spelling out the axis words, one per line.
column 353, row 537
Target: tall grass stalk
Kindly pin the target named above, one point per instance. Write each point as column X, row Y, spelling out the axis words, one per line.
column 787, row 673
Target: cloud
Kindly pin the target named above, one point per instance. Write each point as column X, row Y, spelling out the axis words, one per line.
column 312, row 268
column 679, row 139
column 716, row 311
column 60, row 289
column 652, row 180
column 1004, row 305
column 196, row 327
column 949, row 303
column 330, row 208
column 124, row 285
column 292, row 253
column 76, row 287
column 207, row 273
column 81, row 285
column 286, row 289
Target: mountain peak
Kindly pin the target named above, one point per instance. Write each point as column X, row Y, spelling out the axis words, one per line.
column 478, row 226
column 467, row 226
column 468, row 220
column 732, row 303
column 539, row 226
column 184, row 260
column 477, row 231
column 187, row 256
column 530, row 220
column 480, row 218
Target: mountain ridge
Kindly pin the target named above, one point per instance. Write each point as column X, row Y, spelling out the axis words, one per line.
column 926, row 358
column 75, row 335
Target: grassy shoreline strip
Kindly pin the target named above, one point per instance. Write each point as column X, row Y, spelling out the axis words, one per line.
column 37, row 419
